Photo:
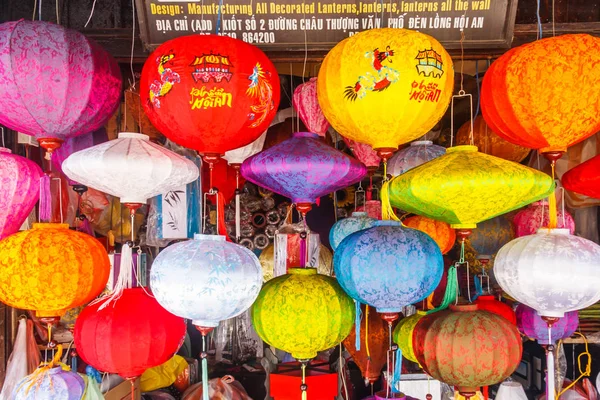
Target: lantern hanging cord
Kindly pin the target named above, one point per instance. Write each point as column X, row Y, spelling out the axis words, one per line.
column 539, row 21
column 219, row 16
column 304, row 386
column 91, row 14
column 582, row 372
column 132, row 45
column 478, row 87
column 204, row 357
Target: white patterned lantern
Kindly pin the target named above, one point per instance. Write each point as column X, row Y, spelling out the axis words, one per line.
column 552, row 271
column 237, row 156
column 131, row 168
column 417, row 153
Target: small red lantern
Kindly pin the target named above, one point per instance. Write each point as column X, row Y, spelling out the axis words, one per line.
column 489, row 303
column 584, row 178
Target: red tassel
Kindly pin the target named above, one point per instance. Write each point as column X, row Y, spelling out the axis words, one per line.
column 45, row 198
column 221, row 227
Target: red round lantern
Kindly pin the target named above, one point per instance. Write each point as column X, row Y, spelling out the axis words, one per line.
column 210, row 93
column 129, row 335
column 584, row 178
column 489, row 303
column 467, row 348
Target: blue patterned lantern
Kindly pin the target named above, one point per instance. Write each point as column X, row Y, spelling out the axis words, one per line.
column 347, row 226
column 52, row 384
column 388, row 266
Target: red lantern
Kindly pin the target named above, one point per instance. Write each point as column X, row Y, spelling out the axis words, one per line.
column 129, row 335
column 489, row 303
column 210, row 93
column 467, row 348
column 584, row 178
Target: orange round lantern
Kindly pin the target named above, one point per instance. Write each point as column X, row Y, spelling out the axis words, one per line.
column 51, row 269
column 544, row 95
column 489, row 142
column 439, row 231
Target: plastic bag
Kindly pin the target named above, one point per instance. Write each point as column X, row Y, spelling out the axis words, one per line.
column 164, row 375
column 92, row 389
column 23, row 360
column 237, row 341
column 225, row 388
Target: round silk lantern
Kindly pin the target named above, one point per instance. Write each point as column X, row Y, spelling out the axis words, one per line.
column 20, row 182
column 490, row 236
column 533, row 326
column 50, row 269
column 302, row 313
column 347, row 226
column 53, row 384
column 489, row 303
column 365, row 154
column 385, row 87
column 388, row 266
column 439, row 231
column 307, row 105
column 519, row 92
column 210, row 93
column 536, row 216
column 465, row 187
column 467, row 348
column 490, row 143
column 303, row 168
column 324, row 263
column 552, row 271
column 417, row 153
column 82, row 82
column 137, row 334
column 403, row 335
column 584, row 178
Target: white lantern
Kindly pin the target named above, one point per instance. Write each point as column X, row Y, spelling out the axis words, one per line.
column 131, row 168
column 511, row 391
column 552, row 271
column 417, row 153
column 237, row 156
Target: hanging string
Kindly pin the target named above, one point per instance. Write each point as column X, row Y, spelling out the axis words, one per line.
column 91, row 14
column 478, row 87
column 3, row 142
column 539, row 21
column 57, row 13
column 304, row 386
column 357, row 319
column 45, row 209
column 219, row 16
column 204, row 357
column 583, row 372
column 132, row 46
column 553, row 20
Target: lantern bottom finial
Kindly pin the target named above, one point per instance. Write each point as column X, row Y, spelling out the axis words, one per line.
column 49, row 144
column 385, row 153
column 303, row 208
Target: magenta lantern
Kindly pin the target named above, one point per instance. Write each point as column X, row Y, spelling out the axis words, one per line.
column 533, row 326
column 55, row 82
column 308, row 108
column 536, row 216
column 19, row 190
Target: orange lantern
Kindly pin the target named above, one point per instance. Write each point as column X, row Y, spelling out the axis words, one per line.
column 439, row 231
column 51, row 269
column 489, row 142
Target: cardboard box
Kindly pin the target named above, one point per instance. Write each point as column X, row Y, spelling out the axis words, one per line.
column 123, row 391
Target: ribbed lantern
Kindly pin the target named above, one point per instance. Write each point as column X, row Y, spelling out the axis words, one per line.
column 303, row 168
column 347, row 226
column 552, row 271
column 388, row 266
column 490, row 236
column 385, row 87
column 302, row 313
column 533, row 326
column 53, row 384
column 50, row 269
column 439, row 231
column 489, row 303
column 416, row 154
column 82, row 82
column 403, row 335
column 584, row 178
column 465, row 187
column 307, row 105
column 467, row 348
column 20, row 183
column 536, row 216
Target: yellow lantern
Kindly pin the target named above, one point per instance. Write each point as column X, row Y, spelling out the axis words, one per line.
column 465, row 187
column 51, row 269
column 403, row 335
column 385, row 87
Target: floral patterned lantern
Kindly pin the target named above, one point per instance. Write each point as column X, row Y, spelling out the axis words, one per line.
column 439, row 231
column 536, row 216
column 82, row 82
column 403, row 335
column 584, row 178
column 308, row 108
column 365, row 154
column 489, row 303
column 347, row 226
column 372, row 208
column 490, row 236
column 20, row 182
column 533, row 326
column 416, row 154
column 385, row 87
column 303, row 168
column 53, row 384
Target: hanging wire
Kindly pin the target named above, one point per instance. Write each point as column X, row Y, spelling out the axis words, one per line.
column 132, row 44
column 92, row 13
column 539, row 21
column 3, row 142
column 34, row 10
column 57, row 13
column 40, row 11
column 305, row 48
column 219, row 16
column 478, row 87
column 553, row 21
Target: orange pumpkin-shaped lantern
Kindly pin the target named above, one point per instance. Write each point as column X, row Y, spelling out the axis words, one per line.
column 440, row 231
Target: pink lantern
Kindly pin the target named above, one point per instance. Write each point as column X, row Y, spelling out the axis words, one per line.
column 55, row 82
column 365, row 154
column 20, row 183
column 535, row 216
column 372, row 208
column 309, row 110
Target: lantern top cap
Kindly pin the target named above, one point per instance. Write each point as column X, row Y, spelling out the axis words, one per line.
column 486, row 297
column 306, row 134
column 359, row 214
column 558, row 231
column 387, row 223
column 464, row 307
column 204, row 238
column 302, row 271
column 5, row 150
column 462, row 149
column 133, row 135
column 422, row 143
column 39, row 225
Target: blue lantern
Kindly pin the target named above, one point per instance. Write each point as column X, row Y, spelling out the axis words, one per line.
column 388, row 266
column 344, row 227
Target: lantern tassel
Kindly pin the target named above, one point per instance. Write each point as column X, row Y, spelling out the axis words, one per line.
column 45, row 198
column 125, row 279
column 357, row 318
column 552, row 217
column 367, row 332
column 304, row 387
column 397, row 372
column 238, row 218
column 550, row 395
column 221, row 227
column 451, row 290
column 387, row 212
column 204, row 357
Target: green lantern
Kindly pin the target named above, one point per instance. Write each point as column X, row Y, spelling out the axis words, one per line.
column 403, row 335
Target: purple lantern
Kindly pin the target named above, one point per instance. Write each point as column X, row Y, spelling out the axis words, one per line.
column 20, row 183
column 533, row 326
column 303, row 168
column 55, row 82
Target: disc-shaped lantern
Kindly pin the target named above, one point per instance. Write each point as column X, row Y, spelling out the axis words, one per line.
column 439, row 231
column 531, row 269
column 307, row 105
column 20, row 182
column 536, row 216
column 385, row 87
column 388, row 266
column 519, row 93
column 82, row 82
column 210, row 93
column 303, row 168
column 531, row 324
column 465, row 187
column 347, row 226
column 584, row 178
column 488, row 142
column 489, row 303
column 416, row 154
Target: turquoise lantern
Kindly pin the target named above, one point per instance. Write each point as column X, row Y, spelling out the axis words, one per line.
column 347, row 226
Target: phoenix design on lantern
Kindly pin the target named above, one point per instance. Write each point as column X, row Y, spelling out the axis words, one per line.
column 167, row 79
column 260, row 88
column 378, row 80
